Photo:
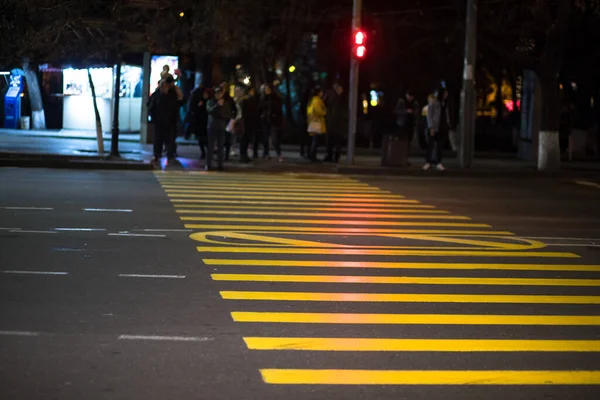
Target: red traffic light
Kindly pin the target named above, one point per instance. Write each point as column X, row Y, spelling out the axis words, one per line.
column 360, row 38
column 360, row 52
column 359, row 49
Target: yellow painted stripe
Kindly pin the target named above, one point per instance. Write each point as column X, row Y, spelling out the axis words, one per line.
column 345, row 231
column 404, row 214
column 409, row 298
column 444, row 345
column 245, row 178
column 415, row 319
column 397, row 209
column 428, row 377
column 333, row 203
column 276, row 193
column 348, row 199
column 347, row 222
column 383, row 252
column 400, row 265
column 404, row 280
column 283, row 188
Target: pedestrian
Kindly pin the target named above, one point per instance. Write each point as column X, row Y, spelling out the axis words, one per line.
column 165, row 103
column 228, row 99
column 271, row 120
column 239, row 123
column 438, row 124
column 251, row 126
column 315, row 113
column 407, row 110
column 219, row 114
column 337, row 122
column 198, row 117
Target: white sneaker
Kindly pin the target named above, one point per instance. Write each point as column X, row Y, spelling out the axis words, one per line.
column 426, row 167
column 440, row 167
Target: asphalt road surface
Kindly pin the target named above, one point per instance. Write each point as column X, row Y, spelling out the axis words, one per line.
column 136, row 285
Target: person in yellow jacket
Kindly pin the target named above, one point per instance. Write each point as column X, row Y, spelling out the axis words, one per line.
column 315, row 113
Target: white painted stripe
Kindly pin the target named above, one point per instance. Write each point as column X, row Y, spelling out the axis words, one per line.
column 36, row 272
column 9, row 229
column 18, row 333
column 166, row 230
column 152, row 276
column 124, row 210
column 168, row 338
column 24, row 231
column 80, row 229
column 136, row 235
column 28, row 208
column 573, row 244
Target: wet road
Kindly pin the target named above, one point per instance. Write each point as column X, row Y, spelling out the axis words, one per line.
column 127, row 285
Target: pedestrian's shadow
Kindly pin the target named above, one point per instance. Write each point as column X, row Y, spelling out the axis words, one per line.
column 173, row 165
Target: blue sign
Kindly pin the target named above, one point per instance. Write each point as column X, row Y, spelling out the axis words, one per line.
column 12, row 102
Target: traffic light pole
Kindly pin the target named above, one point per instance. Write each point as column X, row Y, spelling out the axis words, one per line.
column 467, row 96
column 353, row 87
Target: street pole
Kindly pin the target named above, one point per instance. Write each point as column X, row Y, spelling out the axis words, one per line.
column 353, row 86
column 467, row 95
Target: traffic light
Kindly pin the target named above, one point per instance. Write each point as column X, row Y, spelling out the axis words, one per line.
column 360, row 50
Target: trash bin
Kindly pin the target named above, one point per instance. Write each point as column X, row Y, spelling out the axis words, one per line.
column 394, row 151
column 26, row 123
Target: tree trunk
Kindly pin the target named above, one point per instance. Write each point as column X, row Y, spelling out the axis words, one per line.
column 114, row 140
column 549, row 146
column 97, row 113
column 38, row 118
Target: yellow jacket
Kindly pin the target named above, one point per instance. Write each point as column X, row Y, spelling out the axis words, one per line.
column 317, row 111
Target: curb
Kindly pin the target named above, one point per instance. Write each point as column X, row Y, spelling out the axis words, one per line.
column 69, row 162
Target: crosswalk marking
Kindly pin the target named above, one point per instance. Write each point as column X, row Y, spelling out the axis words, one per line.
column 408, row 298
column 415, row 319
column 248, row 224
column 412, row 377
column 400, row 265
column 446, row 345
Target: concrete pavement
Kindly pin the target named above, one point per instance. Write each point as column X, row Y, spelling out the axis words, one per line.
column 127, row 285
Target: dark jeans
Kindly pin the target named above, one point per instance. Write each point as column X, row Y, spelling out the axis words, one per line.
column 316, row 140
column 435, row 145
column 276, row 133
column 202, row 143
column 217, row 137
column 261, row 136
column 164, row 136
column 334, row 141
column 245, row 139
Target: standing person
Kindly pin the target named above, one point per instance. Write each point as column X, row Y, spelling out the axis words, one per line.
column 437, row 128
column 337, row 122
column 407, row 110
column 164, row 111
column 315, row 113
column 198, row 117
column 276, row 131
column 219, row 114
column 239, row 124
column 251, row 125
column 228, row 99
column 266, row 118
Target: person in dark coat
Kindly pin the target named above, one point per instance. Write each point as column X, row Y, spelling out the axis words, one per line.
column 271, row 120
column 337, row 122
column 199, row 117
column 229, row 100
column 164, row 111
column 219, row 114
column 251, row 124
column 407, row 111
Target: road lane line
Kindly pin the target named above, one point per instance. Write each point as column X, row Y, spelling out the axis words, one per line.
column 345, row 231
column 165, row 230
column 398, row 209
column 276, row 189
column 383, row 252
column 415, row 319
column 152, row 276
column 404, row 214
column 343, row 222
column 29, row 208
column 346, row 200
column 588, row 183
column 10, row 229
column 409, row 298
column 80, row 229
column 167, row 338
column 122, row 210
column 396, row 204
column 404, row 280
column 443, row 345
column 277, row 194
column 400, row 265
column 18, row 333
column 561, row 238
column 36, row 272
column 573, row 244
column 428, row 377
column 28, row 231
column 136, row 235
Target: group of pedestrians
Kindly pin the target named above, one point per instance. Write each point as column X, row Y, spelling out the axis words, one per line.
column 219, row 120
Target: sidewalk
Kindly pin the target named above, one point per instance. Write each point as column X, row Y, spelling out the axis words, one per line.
column 49, row 151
